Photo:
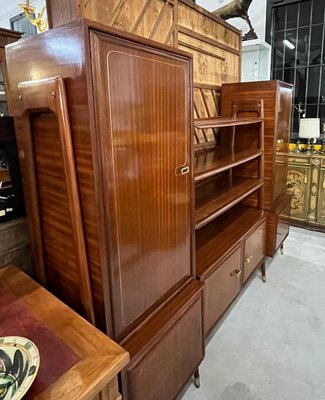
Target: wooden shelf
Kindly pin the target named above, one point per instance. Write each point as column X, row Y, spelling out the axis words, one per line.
column 213, row 161
column 221, row 122
column 214, row 241
column 214, row 199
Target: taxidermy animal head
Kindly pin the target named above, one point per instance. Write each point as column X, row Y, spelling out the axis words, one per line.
column 237, row 9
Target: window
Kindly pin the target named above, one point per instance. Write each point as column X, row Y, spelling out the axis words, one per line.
column 298, row 55
column 20, row 23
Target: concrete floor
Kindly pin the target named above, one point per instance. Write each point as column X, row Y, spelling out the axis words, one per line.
column 271, row 344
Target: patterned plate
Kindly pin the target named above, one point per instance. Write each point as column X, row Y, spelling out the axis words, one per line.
column 19, row 363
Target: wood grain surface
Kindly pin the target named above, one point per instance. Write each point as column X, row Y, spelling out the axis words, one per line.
column 101, row 359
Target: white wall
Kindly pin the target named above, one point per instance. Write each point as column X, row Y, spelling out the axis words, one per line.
column 9, row 8
column 256, row 12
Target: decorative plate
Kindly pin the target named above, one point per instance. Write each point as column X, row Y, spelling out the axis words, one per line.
column 19, row 363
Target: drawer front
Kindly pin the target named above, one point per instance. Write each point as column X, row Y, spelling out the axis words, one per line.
column 161, row 373
column 299, row 160
column 221, row 287
column 254, row 250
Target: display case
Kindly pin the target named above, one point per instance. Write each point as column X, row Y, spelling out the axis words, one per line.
column 256, row 60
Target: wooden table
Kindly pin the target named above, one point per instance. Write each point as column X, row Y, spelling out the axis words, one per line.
column 100, row 359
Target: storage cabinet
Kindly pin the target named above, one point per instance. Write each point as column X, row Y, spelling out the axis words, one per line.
column 104, row 133
column 228, row 205
column 277, row 104
column 306, row 186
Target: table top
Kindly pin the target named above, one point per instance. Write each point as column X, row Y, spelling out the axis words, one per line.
column 100, row 358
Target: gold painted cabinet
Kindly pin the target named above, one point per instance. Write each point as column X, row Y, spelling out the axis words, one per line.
column 306, row 185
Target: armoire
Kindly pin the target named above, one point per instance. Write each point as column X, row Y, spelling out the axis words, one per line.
column 104, row 122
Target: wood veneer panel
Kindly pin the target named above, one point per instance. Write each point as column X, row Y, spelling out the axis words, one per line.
column 174, row 337
column 67, row 61
column 215, row 197
column 213, row 161
column 221, row 235
column 58, row 246
column 145, row 140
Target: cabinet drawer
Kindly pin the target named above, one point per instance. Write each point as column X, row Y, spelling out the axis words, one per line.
column 254, row 250
column 221, row 287
column 166, row 350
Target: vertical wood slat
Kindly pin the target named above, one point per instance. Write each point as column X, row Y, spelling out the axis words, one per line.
column 49, row 94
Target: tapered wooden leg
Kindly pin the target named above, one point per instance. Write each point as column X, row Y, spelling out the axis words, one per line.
column 281, row 248
column 197, row 378
column 263, row 271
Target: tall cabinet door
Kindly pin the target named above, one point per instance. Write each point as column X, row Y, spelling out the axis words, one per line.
column 143, row 110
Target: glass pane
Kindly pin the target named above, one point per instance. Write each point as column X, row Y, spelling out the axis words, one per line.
column 289, row 75
column 302, row 46
column 290, row 54
column 318, row 11
column 2, row 83
column 292, row 15
column 313, row 84
column 278, row 50
column 300, row 85
column 277, row 74
column 316, row 44
column 304, row 13
column 279, row 18
column 311, row 111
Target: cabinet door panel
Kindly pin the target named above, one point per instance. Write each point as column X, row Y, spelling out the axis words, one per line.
column 254, row 250
column 297, row 186
column 221, row 287
column 144, row 109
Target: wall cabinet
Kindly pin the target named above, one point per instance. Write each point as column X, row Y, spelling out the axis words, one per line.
column 306, row 185
column 277, row 98
column 104, row 134
column 228, row 205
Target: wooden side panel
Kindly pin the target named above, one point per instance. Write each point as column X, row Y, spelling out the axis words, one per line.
column 143, row 109
column 152, row 19
column 61, row 12
column 41, row 57
column 277, row 98
column 58, row 246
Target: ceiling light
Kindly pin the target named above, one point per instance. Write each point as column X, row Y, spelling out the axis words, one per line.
column 288, row 44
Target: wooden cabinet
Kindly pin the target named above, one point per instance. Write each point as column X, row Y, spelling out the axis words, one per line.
column 104, row 122
column 277, row 98
column 306, row 185
column 228, row 205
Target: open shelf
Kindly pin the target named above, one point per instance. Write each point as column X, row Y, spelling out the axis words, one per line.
column 213, row 161
column 217, row 238
column 214, row 199
column 221, row 122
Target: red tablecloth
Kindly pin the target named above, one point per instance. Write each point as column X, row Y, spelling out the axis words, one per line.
column 16, row 319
